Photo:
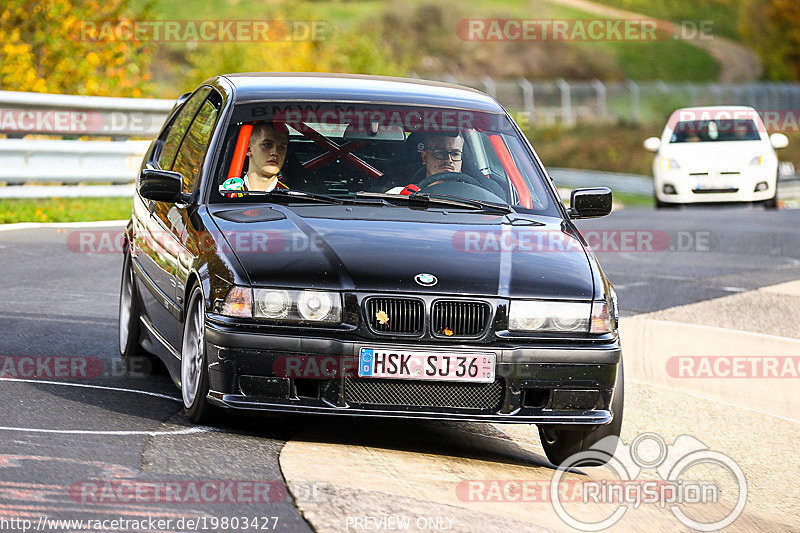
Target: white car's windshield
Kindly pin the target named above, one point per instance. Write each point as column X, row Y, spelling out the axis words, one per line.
column 715, row 131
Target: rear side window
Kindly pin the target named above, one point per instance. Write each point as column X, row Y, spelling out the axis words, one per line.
column 195, row 143
column 174, row 134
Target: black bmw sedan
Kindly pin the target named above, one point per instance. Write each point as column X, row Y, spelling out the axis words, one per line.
column 367, row 246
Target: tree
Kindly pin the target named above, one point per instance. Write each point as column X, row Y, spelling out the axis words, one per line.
column 45, row 47
column 772, row 28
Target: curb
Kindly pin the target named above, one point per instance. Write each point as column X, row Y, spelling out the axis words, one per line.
column 34, row 225
column 650, row 346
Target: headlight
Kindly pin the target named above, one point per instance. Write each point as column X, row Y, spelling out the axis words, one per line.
column 541, row 315
column 272, row 303
column 757, row 161
column 297, row 306
column 316, row 305
column 668, row 164
column 284, row 305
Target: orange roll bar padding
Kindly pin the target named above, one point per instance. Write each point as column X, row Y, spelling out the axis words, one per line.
column 511, row 169
column 241, row 149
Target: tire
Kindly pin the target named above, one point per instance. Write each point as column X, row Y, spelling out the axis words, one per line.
column 559, row 445
column 135, row 358
column 194, row 365
column 665, row 205
column 772, row 203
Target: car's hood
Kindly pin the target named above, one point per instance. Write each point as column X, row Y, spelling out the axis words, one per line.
column 374, row 248
column 715, row 155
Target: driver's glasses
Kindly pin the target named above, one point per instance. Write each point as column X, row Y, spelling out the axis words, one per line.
column 455, row 155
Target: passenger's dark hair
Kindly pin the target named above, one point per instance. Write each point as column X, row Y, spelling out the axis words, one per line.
column 265, row 125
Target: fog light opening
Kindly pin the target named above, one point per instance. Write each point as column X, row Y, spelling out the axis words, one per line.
column 669, row 189
column 761, row 186
column 536, row 398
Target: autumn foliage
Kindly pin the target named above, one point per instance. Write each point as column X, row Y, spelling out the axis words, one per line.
column 772, row 28
column 41, row 49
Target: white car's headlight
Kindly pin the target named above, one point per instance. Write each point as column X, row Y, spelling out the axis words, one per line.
column 543, row 315
column 667, row 164
column 284, row 305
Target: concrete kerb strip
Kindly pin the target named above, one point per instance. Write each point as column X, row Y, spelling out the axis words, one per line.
column 652, row 346
column 35, row 225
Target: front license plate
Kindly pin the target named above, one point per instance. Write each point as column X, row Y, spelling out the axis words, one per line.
column 433, row 366
column 712, row 185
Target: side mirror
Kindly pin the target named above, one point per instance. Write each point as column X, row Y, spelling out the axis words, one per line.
column 161, row 185
column 652, row 144
column 778, row 140
column 590, row 202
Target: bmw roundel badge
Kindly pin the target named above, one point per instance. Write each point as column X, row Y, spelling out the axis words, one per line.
column 426, row 280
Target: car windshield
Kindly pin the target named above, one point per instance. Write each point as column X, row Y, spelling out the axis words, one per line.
column 347, row 150
column 715, row 131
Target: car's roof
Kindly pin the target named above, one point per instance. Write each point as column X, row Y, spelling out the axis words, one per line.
column 717, row 108
column 302, row 86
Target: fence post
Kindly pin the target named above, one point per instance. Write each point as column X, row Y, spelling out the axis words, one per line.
column 717, row 92
column 691, row 89
column 566, row 102
column 527, row 97
column 602, row 102
column 634, row 88
column 490, row 86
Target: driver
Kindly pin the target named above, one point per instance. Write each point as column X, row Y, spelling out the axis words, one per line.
column 441, row 152
column 266, row 153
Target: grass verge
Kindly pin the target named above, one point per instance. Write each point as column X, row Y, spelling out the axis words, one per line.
column 14, row 210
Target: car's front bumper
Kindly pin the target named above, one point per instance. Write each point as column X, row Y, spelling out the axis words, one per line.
column 555, row 385
column 739, row 188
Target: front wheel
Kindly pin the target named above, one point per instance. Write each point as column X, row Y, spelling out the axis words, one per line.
column 194, row 367
column 559, row 445
column 772, row 203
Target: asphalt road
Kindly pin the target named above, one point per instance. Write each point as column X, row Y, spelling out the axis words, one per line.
column 67, row 448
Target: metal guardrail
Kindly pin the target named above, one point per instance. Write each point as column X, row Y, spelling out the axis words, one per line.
column 23, row 160
column 23, row 113
column 72, row 117
column 622, row 183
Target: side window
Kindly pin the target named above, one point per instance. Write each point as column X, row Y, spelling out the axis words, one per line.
column 195, row 143
column 176, row 131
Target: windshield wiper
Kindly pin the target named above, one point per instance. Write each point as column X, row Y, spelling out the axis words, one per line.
column 426, row 200
column 284, row 194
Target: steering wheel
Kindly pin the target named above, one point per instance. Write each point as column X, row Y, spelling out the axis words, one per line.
column 448, row 176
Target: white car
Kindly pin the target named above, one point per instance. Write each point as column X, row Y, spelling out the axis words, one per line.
column 715, row 154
